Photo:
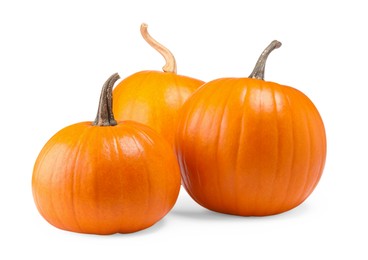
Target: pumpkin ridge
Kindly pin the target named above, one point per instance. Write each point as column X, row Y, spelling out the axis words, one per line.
column 202, row 113
column 237, row 153
column 35, row 177
column 143, row 135
column 116, row 133
column 148, row 184
column 241, row 137
column 41, row 157
column 301, row 196
column 311, row 186
column 224, row 107
column 214, row 98
column 305, row 191
column 276, row 170
column 188, row 179
column 287, row 98
column 322, row 163
column 52, row 203
column 78, row 147
column 243, row 143
column 198, row 197
column 259, row 88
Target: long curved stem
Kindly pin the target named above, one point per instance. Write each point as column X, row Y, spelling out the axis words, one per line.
column 259, row 69
column 105, row 116
column 170, row 65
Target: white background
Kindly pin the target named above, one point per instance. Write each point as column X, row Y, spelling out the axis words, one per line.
column 55, row 56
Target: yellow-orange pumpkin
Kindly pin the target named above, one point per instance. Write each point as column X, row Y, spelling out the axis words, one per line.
column 250, row 147
column 105, row 177
column 154, row 97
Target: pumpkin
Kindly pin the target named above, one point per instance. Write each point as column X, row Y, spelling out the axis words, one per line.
column 250, row 147
column 154, row 97
column 105, row 176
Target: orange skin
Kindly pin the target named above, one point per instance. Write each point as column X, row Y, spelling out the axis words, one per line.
column 105, row 177
column 104, row 180
column 153, row 98
column 250, row 147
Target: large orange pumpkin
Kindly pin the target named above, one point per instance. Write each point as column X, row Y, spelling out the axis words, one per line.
column 250, row 147
column 154, row 97
column 105, row 177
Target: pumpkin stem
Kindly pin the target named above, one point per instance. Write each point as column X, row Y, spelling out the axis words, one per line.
column 105, row 116
column 259, row 69
column 170, row 65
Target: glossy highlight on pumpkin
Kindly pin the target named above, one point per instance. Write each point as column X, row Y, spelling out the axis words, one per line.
column 250, row 147
column 105, row 177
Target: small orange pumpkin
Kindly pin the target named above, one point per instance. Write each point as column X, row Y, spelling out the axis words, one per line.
column 105, row 177
column 250, row 147
column 154, row 97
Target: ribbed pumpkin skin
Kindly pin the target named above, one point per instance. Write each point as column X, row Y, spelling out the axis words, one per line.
column 250, row 147
column 104, row 180
column 153, row 98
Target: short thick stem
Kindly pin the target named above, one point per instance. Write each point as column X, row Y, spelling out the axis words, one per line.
column 105, row 116
column 170, row 65
column 259, row 69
